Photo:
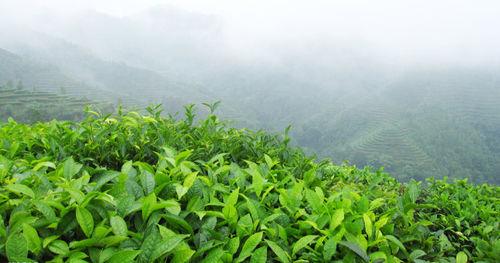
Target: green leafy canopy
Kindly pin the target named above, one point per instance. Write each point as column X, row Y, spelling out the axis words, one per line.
column 134, row 187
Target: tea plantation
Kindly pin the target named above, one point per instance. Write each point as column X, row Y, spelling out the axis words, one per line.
column 30, row 105
column 134, row 187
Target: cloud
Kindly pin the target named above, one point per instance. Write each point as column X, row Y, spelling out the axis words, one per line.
column 448, row 29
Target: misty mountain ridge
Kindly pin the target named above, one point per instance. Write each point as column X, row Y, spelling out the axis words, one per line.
column 344, row 101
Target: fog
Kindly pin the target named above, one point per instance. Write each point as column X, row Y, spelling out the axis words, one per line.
column 422, row 31
column 410, row 85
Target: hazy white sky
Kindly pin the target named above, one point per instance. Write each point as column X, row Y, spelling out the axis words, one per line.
column 450, row 28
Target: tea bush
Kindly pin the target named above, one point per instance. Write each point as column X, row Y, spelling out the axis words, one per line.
column 136, row 187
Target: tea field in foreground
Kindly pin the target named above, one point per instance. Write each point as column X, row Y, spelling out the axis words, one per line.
column 134, row 187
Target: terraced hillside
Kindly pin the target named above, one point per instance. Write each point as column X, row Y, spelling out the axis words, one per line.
column 29, row 106
column 421, row 125
column 45, row 77
column 391, row 146
column 99, row 77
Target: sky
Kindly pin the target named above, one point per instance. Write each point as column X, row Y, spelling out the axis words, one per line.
column 440, row 28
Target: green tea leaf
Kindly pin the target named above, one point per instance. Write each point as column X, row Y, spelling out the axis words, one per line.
column 259, row 255
column 124, row 256
column 105, row 178
column 368, row 225
column 378, row 256
column 257, row 180
column 48, row 240
column 233, row 245
column 71, row 168
column 33, row 240
column 44, row 164
column 329, row 249
column 250, row 244
column 147, row 181
column 85, row 220
column 278, row 251
column 337, row 218
column 302, row 242
column 189, row 180
column 413, row 191
column 16, row 247
column 20, row 189
column 417, row 253
column 148, row 206
column 151, row 240
column 314, row 200
column 461, row 257
column 45, row 209
column 182, row 254
column 213, row 256
column 59, row 247
column 396, row 241
column 233, row 198
column 118, row 225
column 165, row 246
column 356, row 249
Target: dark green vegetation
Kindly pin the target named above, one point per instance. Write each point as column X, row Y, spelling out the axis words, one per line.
column 447, row 123
column 144, row 188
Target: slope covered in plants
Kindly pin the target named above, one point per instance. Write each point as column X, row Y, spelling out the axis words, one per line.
column 146, row 188
column 31, row 106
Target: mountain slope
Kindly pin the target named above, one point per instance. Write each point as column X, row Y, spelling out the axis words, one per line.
column 119, row 82
column 433, row 123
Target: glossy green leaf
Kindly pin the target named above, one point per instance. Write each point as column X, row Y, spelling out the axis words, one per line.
column 278, row 251
column 124, row 256
column 356, row 249
column 118, row 225
column 33, row 240
column 165, row 246
column 250, row 244
column 302, row 242
column 16, row 247
column 259, row 255
column 337, row 218
column 20, row 189
column 59, row 247
column 461, row 257
column 85, row 220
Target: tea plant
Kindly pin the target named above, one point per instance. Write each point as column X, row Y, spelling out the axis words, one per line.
column 146, row 188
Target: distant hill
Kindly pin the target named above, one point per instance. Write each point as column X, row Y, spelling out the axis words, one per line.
column 32, row 106
column 116, row 81
column 427, row 123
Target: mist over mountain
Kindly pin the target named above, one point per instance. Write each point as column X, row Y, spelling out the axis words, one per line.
column 349, row 92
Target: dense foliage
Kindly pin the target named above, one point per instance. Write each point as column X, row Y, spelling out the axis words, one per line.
column 146, row 188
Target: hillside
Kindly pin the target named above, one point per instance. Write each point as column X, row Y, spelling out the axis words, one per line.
column 426, row 123
column 92, row 76
column 146, row 188
column 30, row 106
